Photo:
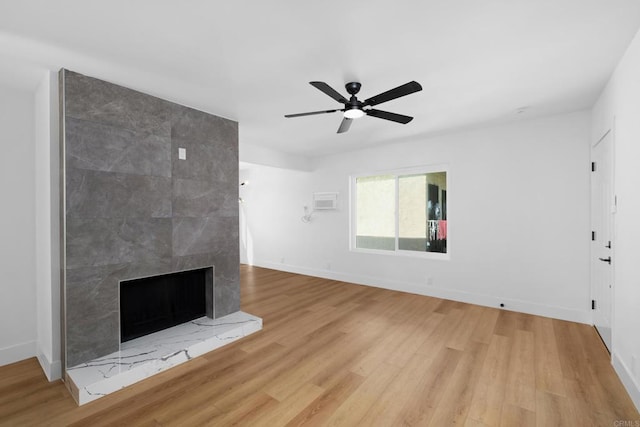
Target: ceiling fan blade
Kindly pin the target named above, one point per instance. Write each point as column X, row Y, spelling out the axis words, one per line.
column 310, row 113
column 329, row 91
column 345, row 125
column 405, row 89
column 399, row 118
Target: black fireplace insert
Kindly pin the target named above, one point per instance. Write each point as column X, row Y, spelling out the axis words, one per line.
column 155, row 303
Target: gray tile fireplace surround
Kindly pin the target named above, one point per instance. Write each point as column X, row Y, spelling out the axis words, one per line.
column 133, row 209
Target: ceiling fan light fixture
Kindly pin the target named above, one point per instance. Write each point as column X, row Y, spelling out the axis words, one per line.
column 353, row 113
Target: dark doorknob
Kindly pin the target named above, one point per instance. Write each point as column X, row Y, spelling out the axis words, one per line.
column 607, row 259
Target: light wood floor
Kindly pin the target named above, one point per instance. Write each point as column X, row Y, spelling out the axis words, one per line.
column 333, row 353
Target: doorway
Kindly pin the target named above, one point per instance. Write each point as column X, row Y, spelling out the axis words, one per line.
column 603, row 208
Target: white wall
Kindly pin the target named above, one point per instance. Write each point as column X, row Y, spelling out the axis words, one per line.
column 518, row 210
column 254, row 154
column 271, row 229
column 619, row 108
column 17, row 219
column 47, row 225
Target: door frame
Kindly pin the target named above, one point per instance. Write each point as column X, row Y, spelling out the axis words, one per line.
column 610, row 132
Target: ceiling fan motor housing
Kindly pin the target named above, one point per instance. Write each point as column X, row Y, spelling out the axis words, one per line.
column 353, row 87
column 353, row 103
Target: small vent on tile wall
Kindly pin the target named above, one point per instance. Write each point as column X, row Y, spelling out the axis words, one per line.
column 325, row 201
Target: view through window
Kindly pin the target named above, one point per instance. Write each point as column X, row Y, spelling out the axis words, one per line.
column 401, row 212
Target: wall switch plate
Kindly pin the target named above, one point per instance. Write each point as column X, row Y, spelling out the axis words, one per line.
column 182, row 153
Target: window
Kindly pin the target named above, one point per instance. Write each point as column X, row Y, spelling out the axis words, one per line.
column 401, row 212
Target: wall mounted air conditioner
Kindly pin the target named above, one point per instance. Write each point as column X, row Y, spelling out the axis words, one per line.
column 325, row 201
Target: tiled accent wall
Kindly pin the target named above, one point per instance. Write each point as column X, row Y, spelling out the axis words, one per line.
column 133, row 209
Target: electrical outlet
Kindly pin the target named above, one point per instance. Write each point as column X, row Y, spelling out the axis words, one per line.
column 281, row 260
column 328, row 265
column 429, row 280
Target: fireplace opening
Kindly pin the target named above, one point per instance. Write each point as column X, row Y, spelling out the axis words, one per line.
column 152, row 304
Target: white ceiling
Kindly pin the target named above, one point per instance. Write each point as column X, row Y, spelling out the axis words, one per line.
column 478, row 61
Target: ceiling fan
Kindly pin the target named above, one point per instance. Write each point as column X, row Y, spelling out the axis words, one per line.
column 354, row 109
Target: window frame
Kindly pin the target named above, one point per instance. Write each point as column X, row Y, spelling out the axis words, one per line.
column 353, row 214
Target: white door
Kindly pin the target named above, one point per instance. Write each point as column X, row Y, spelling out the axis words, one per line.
column 602, row 215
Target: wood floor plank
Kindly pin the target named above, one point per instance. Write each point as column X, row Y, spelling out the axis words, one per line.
column 319, row 411
column 419, row 407
column 440, row 335
column 317, row 320
column 571, row 352
column 376, row 355
column 356, row 405
column 387, row 408
column 485, row 325
column 462, row 333
column 404, row 351
column 272, row 374
column 333, row 353
column 486, row 406
column 510, row 321
column 548, row 368
column 244, row 413
column 517, row 416
column 290, row 407
column 324, row 361
column 458, row 394
column 521, row 380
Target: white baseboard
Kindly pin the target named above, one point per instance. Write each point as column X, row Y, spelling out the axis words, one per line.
column 629, row 382
column 17, row 352
column 433, row 291
column 52, row 370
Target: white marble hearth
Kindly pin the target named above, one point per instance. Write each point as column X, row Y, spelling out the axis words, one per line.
column 146, row 356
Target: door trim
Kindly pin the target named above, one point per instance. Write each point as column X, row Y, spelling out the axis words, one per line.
column 611, row 133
